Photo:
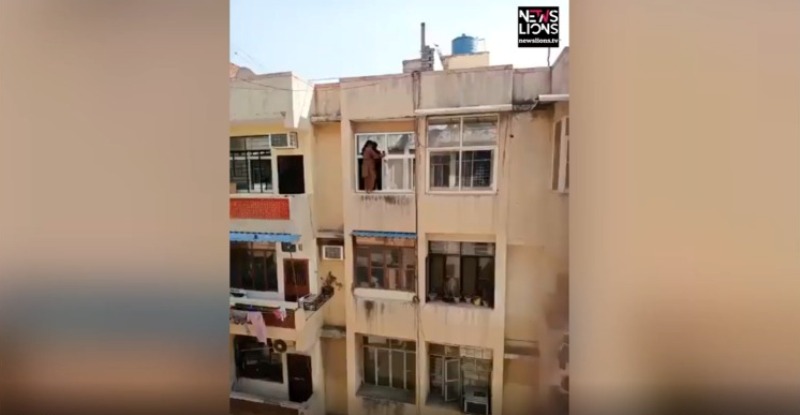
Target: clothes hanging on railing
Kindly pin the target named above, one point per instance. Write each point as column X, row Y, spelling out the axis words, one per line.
column 255, row 321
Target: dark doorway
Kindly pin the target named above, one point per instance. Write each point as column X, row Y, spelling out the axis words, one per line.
column 291, row 175
column 295, row 279
column 300, row 385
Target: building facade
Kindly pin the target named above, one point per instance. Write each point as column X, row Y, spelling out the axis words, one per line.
column 443, row 290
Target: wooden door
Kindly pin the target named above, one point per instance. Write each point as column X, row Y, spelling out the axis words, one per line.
column 300, row 385
column 295, row 279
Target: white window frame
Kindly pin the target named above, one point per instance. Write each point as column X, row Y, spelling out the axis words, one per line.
column 560, row 157
column 465, row 355
column 272, row 158
column 409, row 178
column 373, row 354
column 461, row 149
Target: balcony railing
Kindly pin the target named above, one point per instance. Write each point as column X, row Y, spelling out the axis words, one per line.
column 283, row 317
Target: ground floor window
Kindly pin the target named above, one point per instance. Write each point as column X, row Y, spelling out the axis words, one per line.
column 389, row 363
column 460, row 376
column 255, row 360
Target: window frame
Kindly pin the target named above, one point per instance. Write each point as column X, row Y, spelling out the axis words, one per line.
column 274, row 358
column 250, row 248
column 363, row 244
column 461, row 256
column 559, row 160
column 461, row 355
column 271, row 156
column 372, row 350
column 495, row 149
column 410, row 156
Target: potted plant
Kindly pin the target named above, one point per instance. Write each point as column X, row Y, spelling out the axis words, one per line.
column 328, row 284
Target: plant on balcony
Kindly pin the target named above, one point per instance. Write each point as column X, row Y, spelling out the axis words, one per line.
column 328, row 284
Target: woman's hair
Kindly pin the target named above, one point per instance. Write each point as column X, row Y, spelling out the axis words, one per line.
column 370, row 144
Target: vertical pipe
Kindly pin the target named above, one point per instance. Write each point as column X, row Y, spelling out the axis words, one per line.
column 422, row 40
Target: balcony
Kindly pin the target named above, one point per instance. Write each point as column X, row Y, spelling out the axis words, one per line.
column 297, row 323
column 244, row 404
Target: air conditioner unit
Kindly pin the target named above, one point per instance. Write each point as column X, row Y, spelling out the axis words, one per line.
column 290, row 247
column 332, row 252
column 278, row 141
column 280, row 346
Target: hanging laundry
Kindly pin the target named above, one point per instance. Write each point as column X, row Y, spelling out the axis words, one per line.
column 238, row 317
column 256, row 320
column 280, row 313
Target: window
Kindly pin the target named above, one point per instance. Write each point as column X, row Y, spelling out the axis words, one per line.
column 291, row 175
column 253, row 267
column 396, row 170
column 461, row 153
column 386, row 266
column 454, row 370
column 560, row 173
column 461, row 272
column 251, row 164
column 254, row 360
column 390, row 363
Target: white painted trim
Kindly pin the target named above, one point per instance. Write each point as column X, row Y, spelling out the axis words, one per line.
column 263, row 303
column 495, row 149
column 479, row 109
column 380, row 294
column 357, row 154
column 553, row 98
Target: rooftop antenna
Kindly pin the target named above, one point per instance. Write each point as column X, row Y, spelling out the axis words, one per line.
column 422, row 40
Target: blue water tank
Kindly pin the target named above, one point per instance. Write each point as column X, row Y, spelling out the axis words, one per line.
column 464, row 45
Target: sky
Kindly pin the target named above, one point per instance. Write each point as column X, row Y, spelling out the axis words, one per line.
column 324, row 39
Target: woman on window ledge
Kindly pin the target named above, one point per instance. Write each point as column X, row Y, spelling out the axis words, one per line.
column 369, row 168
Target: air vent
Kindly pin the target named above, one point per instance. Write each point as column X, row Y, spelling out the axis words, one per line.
column 290, row 247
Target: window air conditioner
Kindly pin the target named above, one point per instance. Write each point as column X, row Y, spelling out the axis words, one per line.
column 283, row 140
column 332, row 252
column 290, row 247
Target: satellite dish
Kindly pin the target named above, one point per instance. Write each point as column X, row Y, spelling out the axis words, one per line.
column 279, row 346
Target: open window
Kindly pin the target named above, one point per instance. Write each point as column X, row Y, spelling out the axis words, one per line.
column 560, row 162
column 460, row 377
column 291, row 175
column 255, row 360
column 253, row 267
column 395, row 172
column 389, row 368
column 461, row 272
column 386, row 264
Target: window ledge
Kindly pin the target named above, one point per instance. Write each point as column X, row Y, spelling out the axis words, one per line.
column 462, row 192
column 383, row 393
column 469, row 306
column 263, row 195
column 381, row 294
column 388, row 193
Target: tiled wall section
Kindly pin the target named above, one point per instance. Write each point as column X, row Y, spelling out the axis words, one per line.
column 267, row 208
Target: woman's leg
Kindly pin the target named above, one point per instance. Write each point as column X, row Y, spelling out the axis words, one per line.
column 369, row 182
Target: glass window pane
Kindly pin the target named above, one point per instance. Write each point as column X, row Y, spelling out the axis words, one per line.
column 409, row 283
column 452, row 283
column 238, row 143
column 369, row 366
column 411, row 371
column 393, row 257
column 469, row 276
column 394, row 173
column 441, row 247
column 398, row 369
column 261, row 175
column 377, row 258
column 436, row 372
column 362, row 257
column 377, row 278
column 398, row 143
column 258, row 143
column 383, row 367
column 444, row 169
column 480, row 131
column 436, row 274
column 444, row 132
column 392, row 279
column 362, row 276
column 476, row 169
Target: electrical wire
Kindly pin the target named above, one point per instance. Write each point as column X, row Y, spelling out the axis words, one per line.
column 261, row 86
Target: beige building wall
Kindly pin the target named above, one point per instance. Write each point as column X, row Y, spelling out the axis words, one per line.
column 524, row 218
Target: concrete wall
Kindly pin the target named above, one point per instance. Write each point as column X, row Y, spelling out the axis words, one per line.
column 329, row 173
column 466, row 87
column 335, row 367
column 561, row 73
column 472, row 60
column 262, row 98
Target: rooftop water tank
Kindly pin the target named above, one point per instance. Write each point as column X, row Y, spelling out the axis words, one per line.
column 464, row 45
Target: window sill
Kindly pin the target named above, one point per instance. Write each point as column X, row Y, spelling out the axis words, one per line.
column 261, row 195
column 384, row 294
column 384, row 393
column 440, row 303
column 386, row 193
column 462, row 192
